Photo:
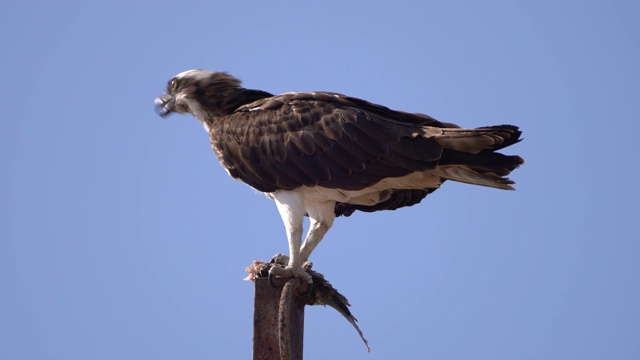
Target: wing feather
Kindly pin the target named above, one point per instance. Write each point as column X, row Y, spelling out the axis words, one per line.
column 309, row 139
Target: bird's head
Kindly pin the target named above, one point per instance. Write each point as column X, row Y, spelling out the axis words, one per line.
column 204, row 94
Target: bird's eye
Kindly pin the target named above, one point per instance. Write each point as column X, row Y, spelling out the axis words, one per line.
column 174, row 84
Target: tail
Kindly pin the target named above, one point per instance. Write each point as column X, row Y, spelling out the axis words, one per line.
column 470, row 156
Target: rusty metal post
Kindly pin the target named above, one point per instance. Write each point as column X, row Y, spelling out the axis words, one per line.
column 265, row 323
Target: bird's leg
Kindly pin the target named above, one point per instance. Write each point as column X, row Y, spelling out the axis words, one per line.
column 321, row 218
column 291, row 207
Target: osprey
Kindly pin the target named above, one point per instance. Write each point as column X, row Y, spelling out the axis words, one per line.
column 323, row 154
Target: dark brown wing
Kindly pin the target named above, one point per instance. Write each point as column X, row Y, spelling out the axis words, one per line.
column 325, row 139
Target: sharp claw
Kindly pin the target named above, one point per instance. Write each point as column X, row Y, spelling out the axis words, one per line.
column 270, row 277
column 307, row 266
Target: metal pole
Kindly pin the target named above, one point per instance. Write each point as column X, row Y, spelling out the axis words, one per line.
column 266, row 344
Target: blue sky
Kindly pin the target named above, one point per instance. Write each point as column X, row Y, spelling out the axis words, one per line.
column 121, row 237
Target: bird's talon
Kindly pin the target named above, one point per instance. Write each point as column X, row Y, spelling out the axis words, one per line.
column 278, row 272
column 280, row 259
column 270, row 277
column 307, row 265
column 289, row 272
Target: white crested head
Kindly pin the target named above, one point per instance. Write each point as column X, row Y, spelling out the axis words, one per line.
column 195, row 74
column 201, row 93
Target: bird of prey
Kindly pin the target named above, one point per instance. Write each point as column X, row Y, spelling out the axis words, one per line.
column 322, row 154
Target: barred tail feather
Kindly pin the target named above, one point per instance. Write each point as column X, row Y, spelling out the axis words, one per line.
column 465, row 174
column 469, row 155
column 474, row 141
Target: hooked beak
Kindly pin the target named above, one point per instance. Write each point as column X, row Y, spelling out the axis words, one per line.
column 165, row 105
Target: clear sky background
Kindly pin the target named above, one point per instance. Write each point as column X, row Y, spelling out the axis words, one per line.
column 121, row 237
